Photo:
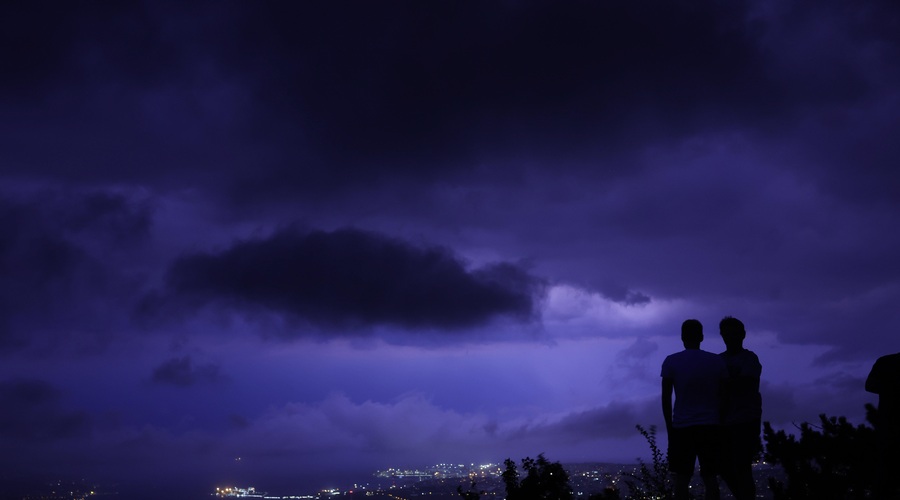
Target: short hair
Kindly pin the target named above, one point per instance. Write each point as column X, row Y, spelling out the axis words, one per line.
column 732, row 327
column 691, row 331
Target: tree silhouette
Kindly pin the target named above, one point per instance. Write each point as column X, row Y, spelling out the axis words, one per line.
column 543, row 480
column 834, row 460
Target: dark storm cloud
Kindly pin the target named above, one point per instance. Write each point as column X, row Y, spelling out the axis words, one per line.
column 615, row 420
column 317, row 96
column 104, row 215
column 32, row 412
column 355, row 279
column 675, row 158
column 183, row 372
column 401, row 90
column 851, row 320
column 625, row 296
column 838, row 61
column 57, row 257
column 48, row 46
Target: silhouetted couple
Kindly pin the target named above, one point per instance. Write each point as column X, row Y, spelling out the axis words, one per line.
column 717, row 413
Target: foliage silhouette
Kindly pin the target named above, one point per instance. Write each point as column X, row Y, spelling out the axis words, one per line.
column 835, row 460
column 650, row 482
column 543, row 480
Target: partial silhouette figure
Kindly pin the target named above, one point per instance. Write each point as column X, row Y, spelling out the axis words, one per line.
column 742, row 417
column 884, row 380
column 697, row 378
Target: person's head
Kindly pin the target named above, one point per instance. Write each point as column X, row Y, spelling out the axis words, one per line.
column 732, row 331
column 691, row 333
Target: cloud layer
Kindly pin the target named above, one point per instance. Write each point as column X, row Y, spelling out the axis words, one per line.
column 350, row 279
column 391, row 232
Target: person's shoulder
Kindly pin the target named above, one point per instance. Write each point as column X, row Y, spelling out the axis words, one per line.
column 711, row 357
column 674, row 356
column 888, row 360
column 670, row 365
column 747, row 353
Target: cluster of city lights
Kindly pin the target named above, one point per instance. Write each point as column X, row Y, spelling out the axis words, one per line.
column 232, row 491
column 442, row 471
column 250, row 492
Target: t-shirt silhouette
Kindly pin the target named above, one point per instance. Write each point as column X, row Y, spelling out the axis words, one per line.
column 697, row 377
column 743, row 400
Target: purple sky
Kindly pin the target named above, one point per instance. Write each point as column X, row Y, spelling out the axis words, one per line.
column 333, row 237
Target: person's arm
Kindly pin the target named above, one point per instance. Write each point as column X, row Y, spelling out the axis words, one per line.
column 745, row 379
column 667, row 387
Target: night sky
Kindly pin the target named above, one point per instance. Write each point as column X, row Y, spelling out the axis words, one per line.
column 284, row 244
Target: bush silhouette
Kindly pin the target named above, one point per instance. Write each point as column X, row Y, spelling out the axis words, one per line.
column 543, row 480
column 834, row 460
column 650, row 482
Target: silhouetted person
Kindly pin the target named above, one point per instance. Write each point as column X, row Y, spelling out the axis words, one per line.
column 697, row 377
column 884, row 380
column 742, row 417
